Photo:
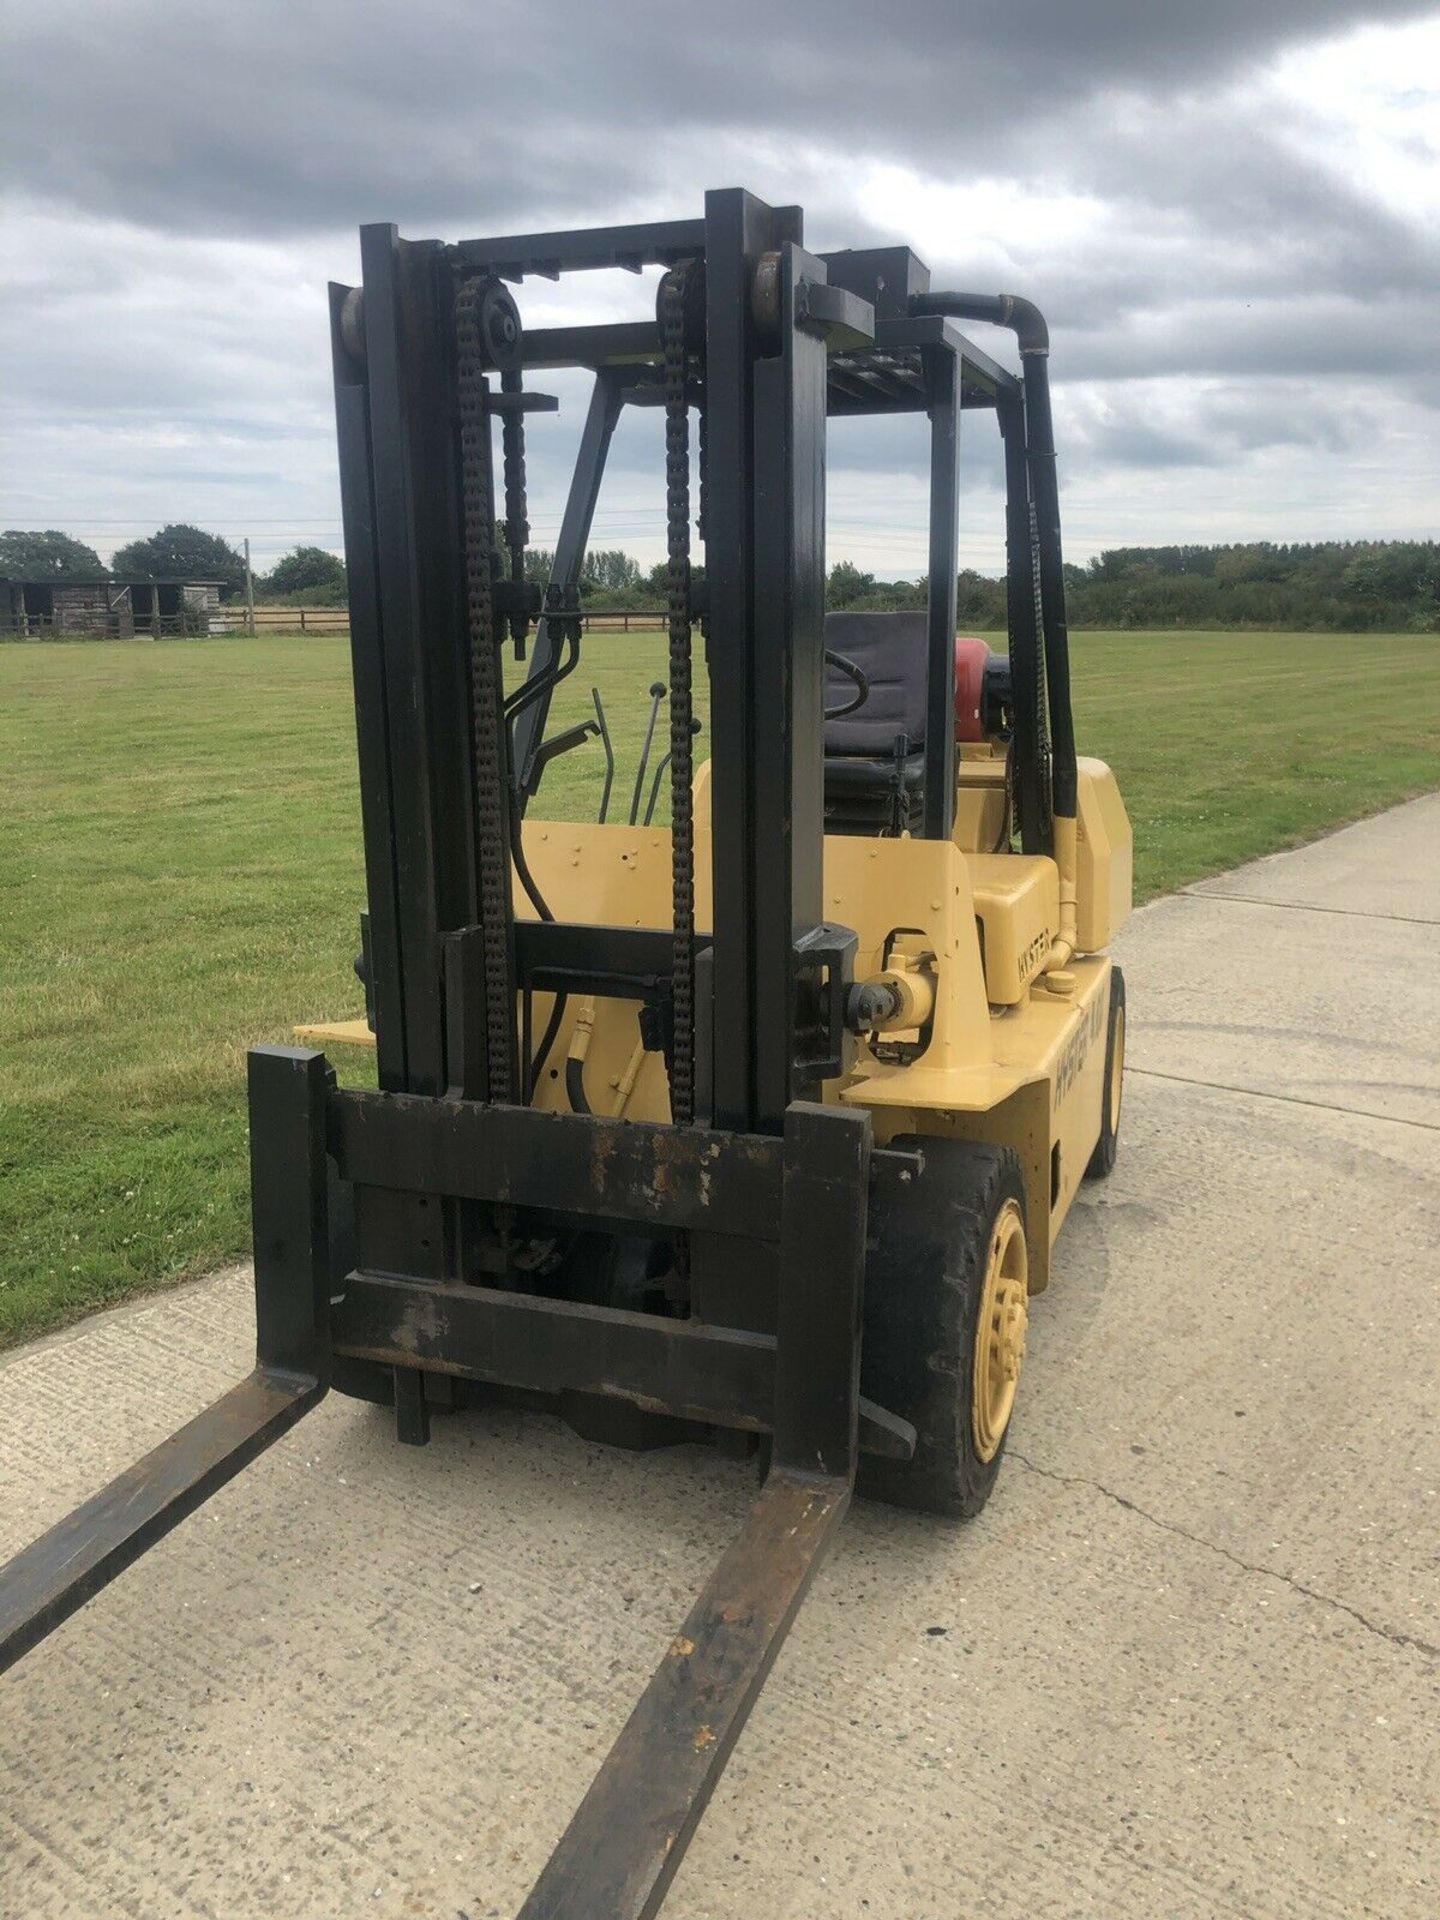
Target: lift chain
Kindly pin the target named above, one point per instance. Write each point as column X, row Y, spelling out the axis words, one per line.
column 682, row 828
column 517, row 525
column 704, row 465
column 487, row 733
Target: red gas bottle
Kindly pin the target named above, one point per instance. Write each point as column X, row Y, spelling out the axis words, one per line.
column 970, row 658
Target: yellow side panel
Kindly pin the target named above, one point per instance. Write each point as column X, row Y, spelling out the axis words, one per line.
column 1041, row 1095
column 1017, row 899
column 1103, row 858
column 621, row 876
column 981, row 800
column 881, row 886
column 607, row 876
column 1064, row 1040
column 615, row 876
column 330, row 1033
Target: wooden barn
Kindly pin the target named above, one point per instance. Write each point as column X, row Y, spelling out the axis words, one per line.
column 111, row 606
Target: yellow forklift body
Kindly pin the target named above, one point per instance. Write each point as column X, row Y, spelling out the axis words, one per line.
column 1015, row 1056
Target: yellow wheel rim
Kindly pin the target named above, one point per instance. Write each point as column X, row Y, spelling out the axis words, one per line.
column 1000, row 1331
column 1117, row 1070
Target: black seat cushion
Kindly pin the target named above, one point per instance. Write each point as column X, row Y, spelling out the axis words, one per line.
column 860, row 747
column 889, row 649
column 862, row 776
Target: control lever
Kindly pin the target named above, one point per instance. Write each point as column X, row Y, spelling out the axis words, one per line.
column 658, row 690
column 557, row 744
column 603, row 729
column 660, row 775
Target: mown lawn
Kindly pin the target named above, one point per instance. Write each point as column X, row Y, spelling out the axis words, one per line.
column 181, row 874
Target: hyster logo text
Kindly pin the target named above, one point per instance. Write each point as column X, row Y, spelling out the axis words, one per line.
column 1078, row 1046
column 1033, row 955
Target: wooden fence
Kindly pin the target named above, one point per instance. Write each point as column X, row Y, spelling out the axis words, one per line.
column 300, row 619
column 309, row 620
column 230, row 620
column 210, row 622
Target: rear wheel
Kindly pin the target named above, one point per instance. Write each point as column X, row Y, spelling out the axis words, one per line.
column 945, row 1317
column 1107, row 1146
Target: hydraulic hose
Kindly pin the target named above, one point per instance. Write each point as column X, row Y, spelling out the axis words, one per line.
column 575, row 1059
column 547, row 1041
column 1023, row 317
column 575, row 1085
column 533, row 1066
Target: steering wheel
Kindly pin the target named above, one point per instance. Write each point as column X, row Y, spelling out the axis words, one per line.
column 862, row 685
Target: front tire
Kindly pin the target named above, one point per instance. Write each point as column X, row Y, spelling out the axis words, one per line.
column 1102, row 1160
column 945, row 1316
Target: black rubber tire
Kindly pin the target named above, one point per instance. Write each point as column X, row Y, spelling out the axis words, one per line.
column 1102, row 1160
column 929, row 1243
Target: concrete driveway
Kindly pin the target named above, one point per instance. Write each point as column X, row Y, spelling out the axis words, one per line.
column 1185, row 1664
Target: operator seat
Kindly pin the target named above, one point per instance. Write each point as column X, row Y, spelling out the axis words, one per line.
column 875, row 756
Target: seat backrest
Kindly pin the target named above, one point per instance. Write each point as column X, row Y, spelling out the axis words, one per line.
column 889, row 649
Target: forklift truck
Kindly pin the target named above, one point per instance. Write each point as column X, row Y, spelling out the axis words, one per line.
column 757, row 1128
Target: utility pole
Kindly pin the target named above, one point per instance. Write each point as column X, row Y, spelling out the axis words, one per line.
column 249, row 592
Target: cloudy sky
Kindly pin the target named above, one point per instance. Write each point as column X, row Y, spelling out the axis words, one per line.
column 1229, row 210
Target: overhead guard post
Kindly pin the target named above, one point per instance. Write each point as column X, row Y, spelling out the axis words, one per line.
column 1032, row 335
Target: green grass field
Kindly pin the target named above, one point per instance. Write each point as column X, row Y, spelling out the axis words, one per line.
column 181, row 872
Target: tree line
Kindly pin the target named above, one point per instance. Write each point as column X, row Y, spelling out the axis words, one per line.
column 1342, row 586
column 306, row 576
column 1346, row 586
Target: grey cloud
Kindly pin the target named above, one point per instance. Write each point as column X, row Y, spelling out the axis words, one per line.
column 295, row 118
column 1275, row 308
column 1148, row 429
column 1323, row 336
